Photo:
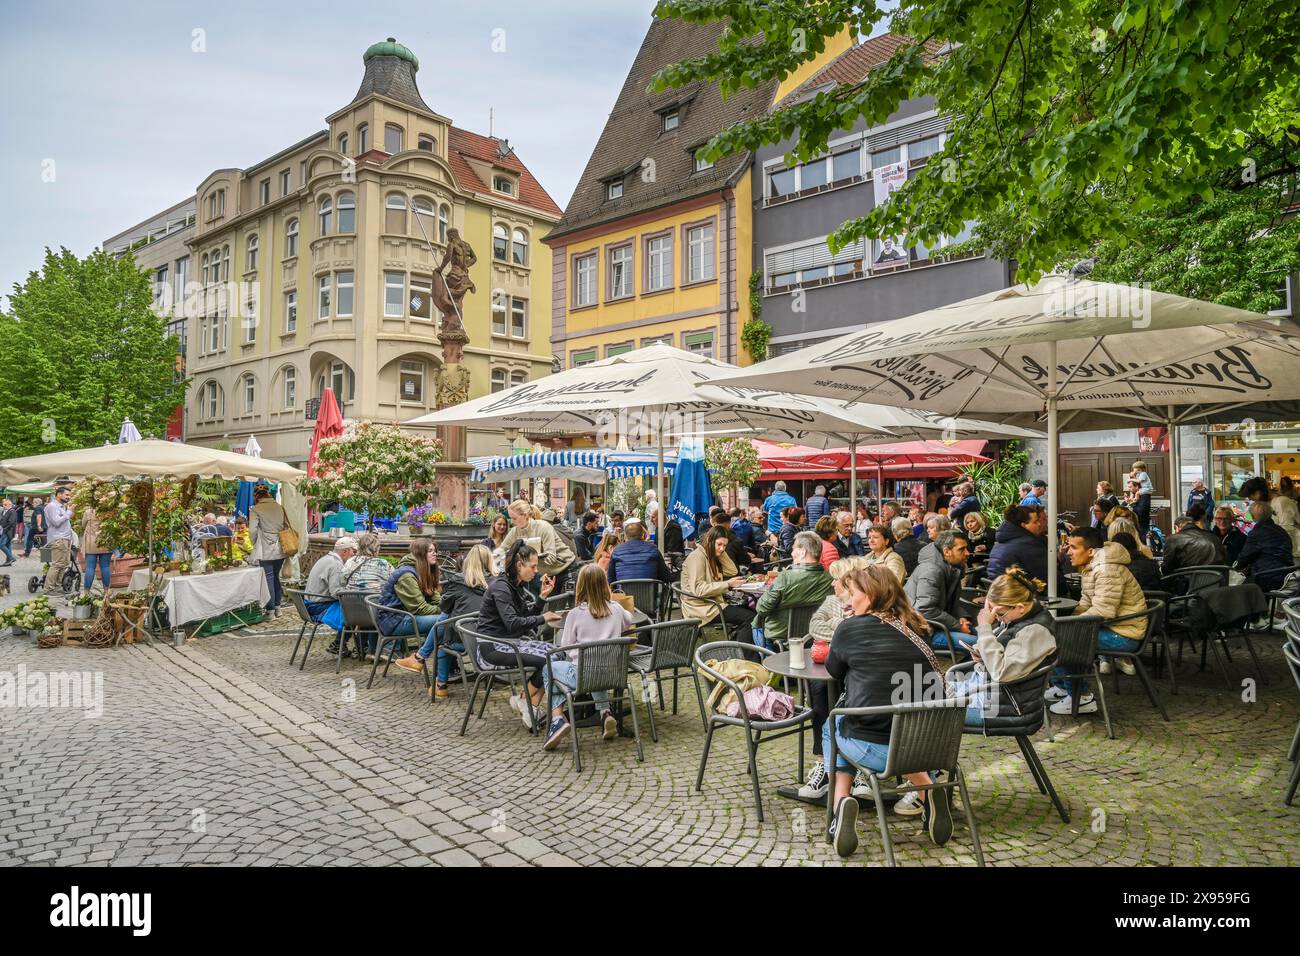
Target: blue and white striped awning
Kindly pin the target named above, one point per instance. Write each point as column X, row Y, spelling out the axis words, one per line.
column 574, row 464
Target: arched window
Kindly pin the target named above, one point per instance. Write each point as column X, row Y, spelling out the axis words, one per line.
column 291, row 238
column 395, row 213
column 338, row 377
column 347, row 212
column 444, row 219
column 343, row 143
column 289, row 396
column 518, row 378
column 248, row 391
column 212, row 401
column 392, row 138
column 363, row 138
column 326, row 214
column 203, row 270
column 498, row 380
column 424, row 224
column 500, row 243
column 225, row 263
column 427, row 143
column 520, row 248
column 250, row 254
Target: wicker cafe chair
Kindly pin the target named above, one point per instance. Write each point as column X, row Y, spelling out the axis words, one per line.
column 923, row 738
column 488, row 675
column 1154, row 615
column 358, row 623
column 1032, row 686
column 649, row 595
column 756, row 731
column 394, row 641
column 300, row 599
column 602, row 666
column 1076, row 654
column 671, row 648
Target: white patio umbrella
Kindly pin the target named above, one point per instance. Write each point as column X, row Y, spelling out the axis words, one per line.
column 149, row 458
column 1062, row 346
column 128, row 433
column 663, row 391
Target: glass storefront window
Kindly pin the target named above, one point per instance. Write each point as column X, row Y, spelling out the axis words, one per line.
column 1230, row 473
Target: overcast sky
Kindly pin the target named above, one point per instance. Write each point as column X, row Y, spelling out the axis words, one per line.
column 132, row 119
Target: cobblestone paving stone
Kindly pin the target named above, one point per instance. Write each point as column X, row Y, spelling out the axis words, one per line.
column 290, row 766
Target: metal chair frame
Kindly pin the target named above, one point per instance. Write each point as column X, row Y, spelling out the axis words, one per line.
column 650, row 592
column 391, row 641
column 300, row 599
column 1291, row 652
column 754, row 729
column 602, row 666
column 923, row 737
column 358, row 620
column 490, row 675
column 667, row 651
column 1154, row 615
column 1077, row 654
column 938, row 627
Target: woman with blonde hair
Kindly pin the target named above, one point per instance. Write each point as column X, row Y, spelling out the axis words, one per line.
column 884, row 638
column 978, row 531
column 497, row 532
column 595, row 617
column 608, row 542
column 1014, row 638
column 1121, row 524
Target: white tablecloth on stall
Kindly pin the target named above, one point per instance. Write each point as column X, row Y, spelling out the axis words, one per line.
column 196, row 597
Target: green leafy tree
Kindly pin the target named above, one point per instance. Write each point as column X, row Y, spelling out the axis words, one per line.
column 732, row 462
column 81, row 348
column 1072, row 122
column 374, row 468
column 997, row 482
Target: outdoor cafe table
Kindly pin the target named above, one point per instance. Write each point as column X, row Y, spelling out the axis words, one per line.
column 194, row 598
column 779, row 664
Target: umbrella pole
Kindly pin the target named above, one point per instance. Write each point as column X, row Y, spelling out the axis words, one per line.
column 659, row 495
column 853, row 478
column 1053, row 489
column 880, row 490
column 1175, row 478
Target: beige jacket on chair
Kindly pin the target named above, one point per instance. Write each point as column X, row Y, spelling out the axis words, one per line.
column 709, row 594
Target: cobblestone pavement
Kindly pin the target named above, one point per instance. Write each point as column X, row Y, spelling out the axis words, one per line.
column 219, row 753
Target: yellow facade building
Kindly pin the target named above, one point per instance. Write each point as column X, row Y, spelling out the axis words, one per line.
column 656, row 245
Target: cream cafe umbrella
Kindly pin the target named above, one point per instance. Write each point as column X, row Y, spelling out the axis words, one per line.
column 149, row 458
column 1063, row 347
column 660, row 391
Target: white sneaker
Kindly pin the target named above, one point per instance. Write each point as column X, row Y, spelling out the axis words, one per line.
column 1125, row 666
column 862, row 788
column 1103, row 667
column 818, row 783
column 526, row 709
column 1055, row 693
column 911, row 805
column 1087, row 705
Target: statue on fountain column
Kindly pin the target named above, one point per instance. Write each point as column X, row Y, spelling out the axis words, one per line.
column 451, row 282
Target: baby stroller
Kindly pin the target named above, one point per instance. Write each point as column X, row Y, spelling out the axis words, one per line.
column 71, row 574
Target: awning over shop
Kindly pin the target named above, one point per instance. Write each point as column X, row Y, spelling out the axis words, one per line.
column 914, row 459
column 573, row 464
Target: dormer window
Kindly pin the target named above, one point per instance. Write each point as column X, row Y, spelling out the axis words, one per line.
column 427, row 143
column 672, row 120
column 702, row 165
column 392, row 138
column 614, row 189
column 503, row 185
column 343, row 143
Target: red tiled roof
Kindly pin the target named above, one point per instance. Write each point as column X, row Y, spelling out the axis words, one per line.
column 463, row 143
column 853, row 65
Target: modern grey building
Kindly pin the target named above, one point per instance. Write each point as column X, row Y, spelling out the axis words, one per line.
column 809, row 294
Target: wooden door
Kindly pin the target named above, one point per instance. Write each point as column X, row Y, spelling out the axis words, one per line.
column 1080, row 472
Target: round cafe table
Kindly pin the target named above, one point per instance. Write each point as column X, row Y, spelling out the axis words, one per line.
column 780, row 664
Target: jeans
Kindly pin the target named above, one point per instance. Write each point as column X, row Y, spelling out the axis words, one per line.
column 1142, row 511
column 32, row 533
column 760, row 640
column 966, row 687
column 425, row 622
column 1107, row 640
column 316, row 609
column 104, row 560
column 451, row 647
column 4, row 547
column 565, row 673
column 864, row 752
column 272, row 571
column 426, row 648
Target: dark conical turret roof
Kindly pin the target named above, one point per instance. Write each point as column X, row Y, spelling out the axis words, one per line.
column 390, row 72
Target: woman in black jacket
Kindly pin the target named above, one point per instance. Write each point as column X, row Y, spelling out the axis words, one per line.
column 884, row 640
column 1145, row 569
column 510, row 611
column 792, row 524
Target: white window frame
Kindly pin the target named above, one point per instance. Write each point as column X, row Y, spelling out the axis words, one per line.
column 693, row 348
column 325, row 215
column 346, row 279
column 613, row 190
column 707, row 244
column 500, row 307
column 519, row 307
column 672, row 120
column 592, row 350
column 499, row 381
column 291, row 238
column 620, row 268
column 291, row 311
column 390, row 129
column 412, row 368
column 250, row 253
column 519, row 247
column 289, row 392
column 249, row 392
column 500, row 242
column 400, row 302
column 264, row 191
column 346, row 204
column 324, row 296
column 658, row 263
column 586, row 288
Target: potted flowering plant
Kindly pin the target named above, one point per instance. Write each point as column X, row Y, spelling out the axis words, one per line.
column 416, row 516
column 83, row 606
column 33, row 616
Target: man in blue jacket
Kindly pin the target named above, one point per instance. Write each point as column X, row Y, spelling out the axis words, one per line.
column 818, row 505
column 637, row 557
column 1020, row 540
column 1200, row 495
column 1037, row 492
column 776, row 502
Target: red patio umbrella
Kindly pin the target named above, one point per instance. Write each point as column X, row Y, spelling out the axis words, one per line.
column 917, row 459
column 329, row 424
